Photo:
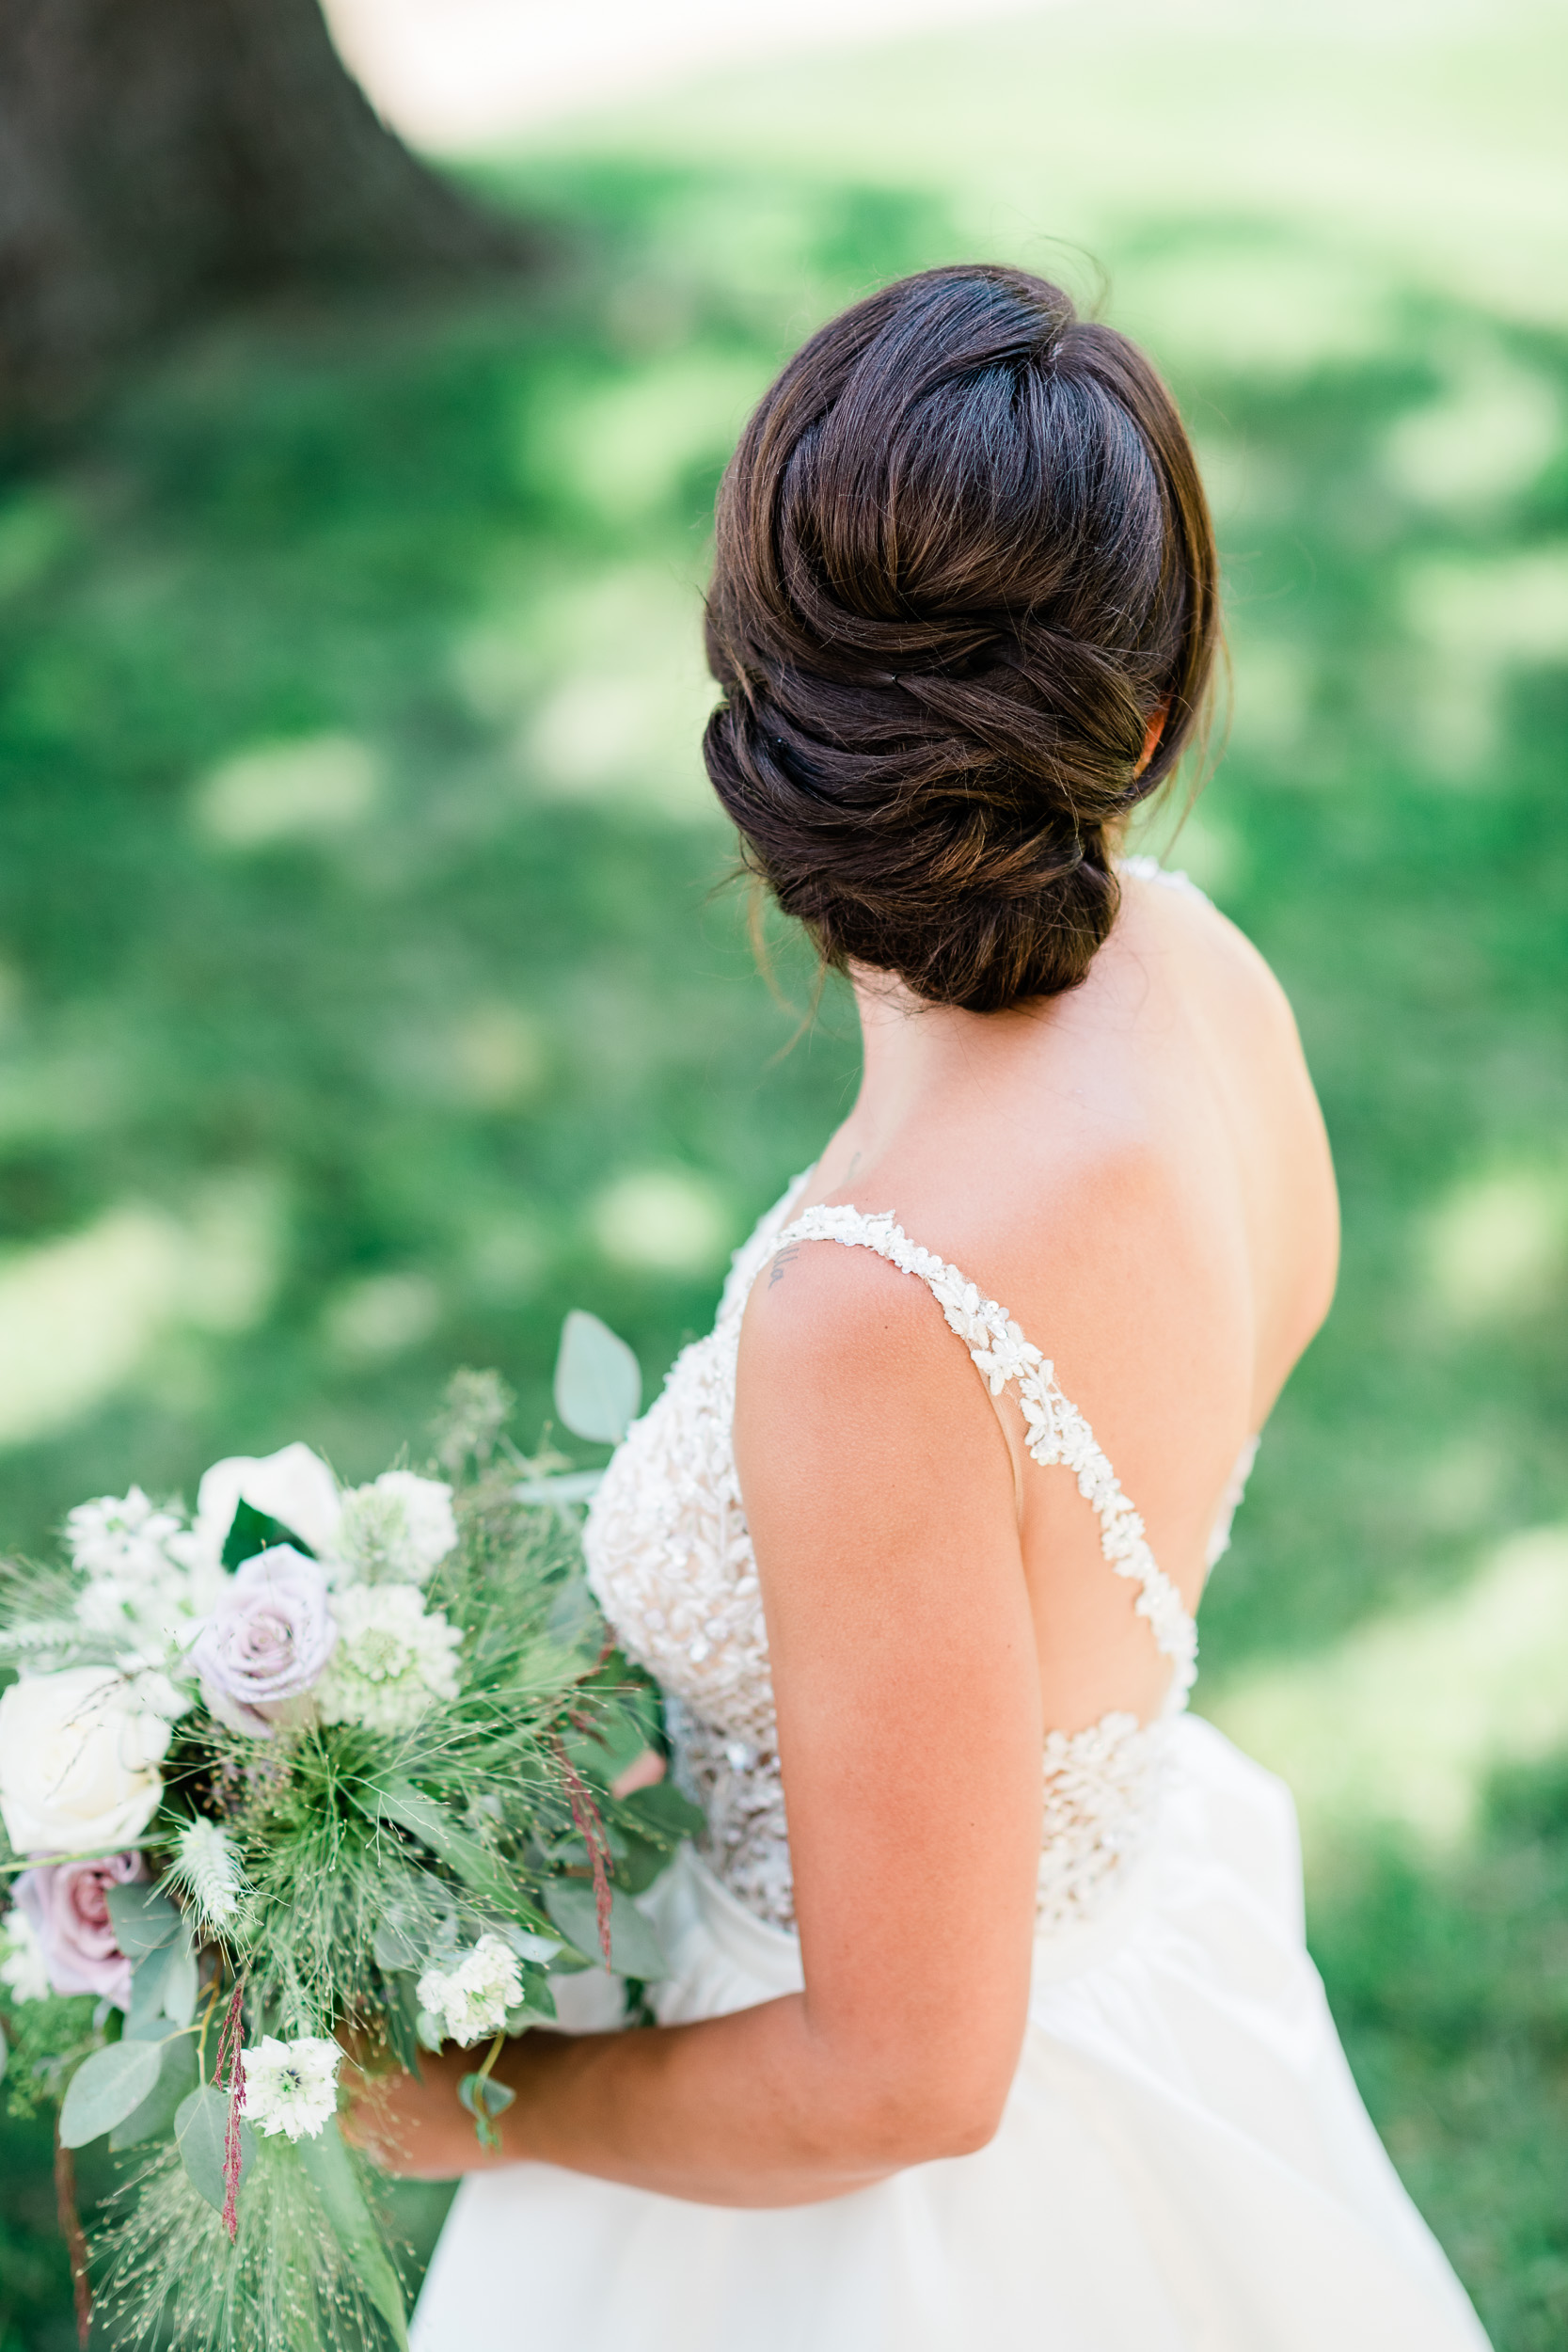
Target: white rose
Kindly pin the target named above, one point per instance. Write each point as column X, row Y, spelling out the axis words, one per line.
column 79, row 1754
column 396, row 1530
column 294, row 1486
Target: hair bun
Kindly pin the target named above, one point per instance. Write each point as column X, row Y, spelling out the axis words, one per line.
column 963, row 558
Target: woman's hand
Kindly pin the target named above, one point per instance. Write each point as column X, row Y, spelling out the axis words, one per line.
column 415, row 2126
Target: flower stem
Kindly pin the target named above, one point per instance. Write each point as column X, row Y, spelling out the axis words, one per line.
column 491, row 2056
column 75, row 2240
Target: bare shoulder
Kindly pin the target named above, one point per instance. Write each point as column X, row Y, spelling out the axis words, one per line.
column 1215, row 955
column 831, row 1322
column 853, row 1400
column 873, row 1473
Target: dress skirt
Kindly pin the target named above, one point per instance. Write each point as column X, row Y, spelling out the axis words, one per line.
column 1183, row 2165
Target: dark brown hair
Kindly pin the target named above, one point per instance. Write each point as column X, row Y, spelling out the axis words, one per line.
column 964, row 558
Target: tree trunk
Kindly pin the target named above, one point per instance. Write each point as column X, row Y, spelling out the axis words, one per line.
column 161, row 158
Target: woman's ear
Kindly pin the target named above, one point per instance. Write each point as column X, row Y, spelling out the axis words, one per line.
column 1152, row 733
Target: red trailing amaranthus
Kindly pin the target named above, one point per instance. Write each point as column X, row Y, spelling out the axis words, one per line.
column 231, row 2053
column 590, row 1828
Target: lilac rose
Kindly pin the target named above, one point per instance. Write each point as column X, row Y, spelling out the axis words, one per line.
column 265, row 1643
column 66, row 1906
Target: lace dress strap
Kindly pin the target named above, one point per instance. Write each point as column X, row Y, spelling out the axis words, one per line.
column 1169, row 877
column 1056, row 1430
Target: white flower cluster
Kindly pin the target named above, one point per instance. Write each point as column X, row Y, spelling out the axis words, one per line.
column 23, row 1971
column 290, row 2087
column 394, row 1658
column 395, row 1531
column 469, row 1999
column 147, row 1586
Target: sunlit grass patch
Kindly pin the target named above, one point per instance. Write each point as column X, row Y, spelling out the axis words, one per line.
column 1497, row 1246
column 1407, row 1720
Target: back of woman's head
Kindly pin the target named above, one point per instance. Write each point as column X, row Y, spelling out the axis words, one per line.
column 965, row 563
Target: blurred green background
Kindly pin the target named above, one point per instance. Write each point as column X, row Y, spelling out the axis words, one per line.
column 368, row 997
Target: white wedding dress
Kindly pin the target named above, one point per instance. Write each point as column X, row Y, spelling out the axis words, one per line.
column 1183, row 2164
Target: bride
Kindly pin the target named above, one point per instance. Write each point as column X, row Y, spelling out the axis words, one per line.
column 1011, row 2038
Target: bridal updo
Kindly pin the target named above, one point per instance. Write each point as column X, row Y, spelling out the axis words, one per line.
column 964, row 560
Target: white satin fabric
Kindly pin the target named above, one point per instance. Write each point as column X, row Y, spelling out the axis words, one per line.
column 1183, row 2165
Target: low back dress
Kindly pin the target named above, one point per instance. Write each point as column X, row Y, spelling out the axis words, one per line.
column 1183, row 2164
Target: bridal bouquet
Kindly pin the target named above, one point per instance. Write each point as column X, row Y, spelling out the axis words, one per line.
column 312, row 1763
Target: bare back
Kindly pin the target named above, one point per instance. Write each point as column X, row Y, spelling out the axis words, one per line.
column 1138, row 1172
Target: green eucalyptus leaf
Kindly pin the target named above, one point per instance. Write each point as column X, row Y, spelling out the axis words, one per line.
column 570, row 1962
column 331, row 2174
column 599, row 1383
column 574, row 1618
column 614, row 1740
column 144, row 1920
column 633, row 1947
column 402, row 2016
column 177, row 2079
column 179, row 1984
column 145, row 2020
column 394, row 1949
column 201, row 2132
column 663, row 1814
column 536, row 2008
column 638, row 1863
column 106, row 2089
column 537, row 1951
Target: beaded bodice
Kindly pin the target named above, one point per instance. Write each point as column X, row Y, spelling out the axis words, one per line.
column 670, row 1557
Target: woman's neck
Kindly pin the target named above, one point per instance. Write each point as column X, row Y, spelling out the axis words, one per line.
column 922, row 1061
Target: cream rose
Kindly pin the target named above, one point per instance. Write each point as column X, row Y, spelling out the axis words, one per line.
column 294, row 1486
column 79, row 1753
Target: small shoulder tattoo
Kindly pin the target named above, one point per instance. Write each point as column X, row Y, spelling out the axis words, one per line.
column 783, row 1262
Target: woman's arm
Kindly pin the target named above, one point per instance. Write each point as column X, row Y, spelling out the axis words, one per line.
column 879, row 1495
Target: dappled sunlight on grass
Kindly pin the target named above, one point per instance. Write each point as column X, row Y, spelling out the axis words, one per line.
column 1480, row 621
column 287, row 791
column 1407, row 1720
column 621, row 715
column 667, row 1218
column 1498, row 1247
column 622, row 449
column 78, row 1316
column 82, row 1315
column 1448, row 1976
column 1491, row 430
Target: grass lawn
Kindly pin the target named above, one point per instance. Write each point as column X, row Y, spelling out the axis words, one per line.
column 368, row 997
